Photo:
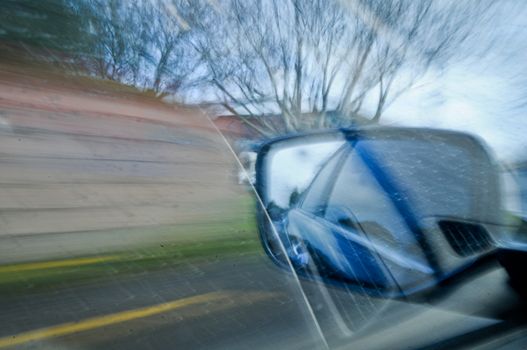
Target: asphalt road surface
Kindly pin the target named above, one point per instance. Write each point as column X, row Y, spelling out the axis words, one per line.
column 85, row 174
column 242, row 303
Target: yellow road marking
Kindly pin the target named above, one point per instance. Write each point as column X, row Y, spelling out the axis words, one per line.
column 101, row 321
column 55, row 264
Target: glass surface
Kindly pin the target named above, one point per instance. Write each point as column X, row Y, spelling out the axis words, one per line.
column 128, row 137
column 292, row 169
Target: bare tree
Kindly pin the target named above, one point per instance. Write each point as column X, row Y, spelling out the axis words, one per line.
column 280, row 65
column 142, row 43
column 173, row 59
column 115, row 46
column 290, row 65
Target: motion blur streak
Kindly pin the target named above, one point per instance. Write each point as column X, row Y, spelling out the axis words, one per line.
column 97, row 322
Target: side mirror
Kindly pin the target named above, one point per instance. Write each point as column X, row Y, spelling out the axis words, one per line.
column 284, row 169
column 388, row 210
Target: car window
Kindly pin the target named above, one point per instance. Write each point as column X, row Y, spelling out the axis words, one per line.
column 292, row 169
column 158, row 163
column 356, row 199
column 316, row 195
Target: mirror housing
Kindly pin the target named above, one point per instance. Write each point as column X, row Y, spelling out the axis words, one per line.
column 391, row 211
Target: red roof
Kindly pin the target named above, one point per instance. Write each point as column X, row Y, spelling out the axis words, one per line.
column 234, row 127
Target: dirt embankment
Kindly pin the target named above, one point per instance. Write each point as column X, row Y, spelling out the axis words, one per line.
column 81, row 156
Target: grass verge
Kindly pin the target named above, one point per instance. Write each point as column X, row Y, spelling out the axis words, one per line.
column 206, row 242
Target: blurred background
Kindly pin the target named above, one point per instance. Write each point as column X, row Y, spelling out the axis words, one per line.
column 128, row 132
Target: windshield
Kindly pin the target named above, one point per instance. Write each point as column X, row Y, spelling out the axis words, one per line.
column 130, row 139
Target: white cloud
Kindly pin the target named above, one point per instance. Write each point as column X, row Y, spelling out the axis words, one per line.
column 470, row 99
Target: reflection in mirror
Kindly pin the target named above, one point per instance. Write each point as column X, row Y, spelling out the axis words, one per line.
column 353, row 230
column 282, row 176
column 290, row 170
column 388, row 211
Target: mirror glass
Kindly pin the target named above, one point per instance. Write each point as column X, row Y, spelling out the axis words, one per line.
column 291, row 170
column 391, row 212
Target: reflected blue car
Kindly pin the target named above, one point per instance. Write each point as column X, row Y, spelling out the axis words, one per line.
column 395, row 215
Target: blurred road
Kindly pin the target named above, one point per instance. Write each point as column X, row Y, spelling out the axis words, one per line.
column 253, row 304
column 242, row 303
column 86, row 175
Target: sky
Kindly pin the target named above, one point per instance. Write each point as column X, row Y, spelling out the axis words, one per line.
column 482, row 93
column 463, row 99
